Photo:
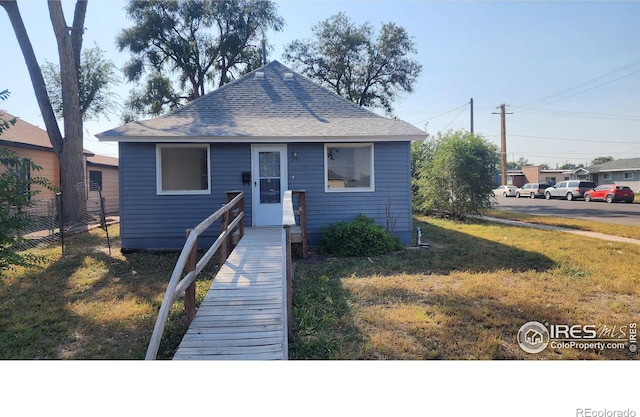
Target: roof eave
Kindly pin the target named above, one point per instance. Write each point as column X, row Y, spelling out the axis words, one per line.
column 260, row 139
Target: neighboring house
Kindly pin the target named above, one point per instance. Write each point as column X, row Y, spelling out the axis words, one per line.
column 533, row 174
column 267, row 132
column 30, row 142
column 624, row 172
column 102, row 174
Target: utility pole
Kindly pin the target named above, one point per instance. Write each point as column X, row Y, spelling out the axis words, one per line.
column 503, row 143
column 471, row 115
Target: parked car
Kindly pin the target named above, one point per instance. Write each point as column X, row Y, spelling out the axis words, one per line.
column 610, row 193
column 532, row 189
column 505, row 191
column 569, row 190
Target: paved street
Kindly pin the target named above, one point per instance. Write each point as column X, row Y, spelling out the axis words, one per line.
column 618, row 213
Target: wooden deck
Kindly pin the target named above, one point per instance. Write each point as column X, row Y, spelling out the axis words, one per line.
column 242, row 316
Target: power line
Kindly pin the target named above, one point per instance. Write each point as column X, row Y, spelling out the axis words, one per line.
column 575, row 140
column 582, row 115
column 458, row 115
column 584, row 84
column 445, row 113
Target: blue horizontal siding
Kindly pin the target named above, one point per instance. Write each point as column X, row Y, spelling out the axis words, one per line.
column 151, row 221
column 392, row 181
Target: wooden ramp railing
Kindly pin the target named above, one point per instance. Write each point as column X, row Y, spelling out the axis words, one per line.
column 299, row 227
column 247, row 274
column 232, row 215
column 288, row 220
column 293, row 232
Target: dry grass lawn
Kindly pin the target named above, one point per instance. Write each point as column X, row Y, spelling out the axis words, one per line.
column 466, row 296
column 463, row 298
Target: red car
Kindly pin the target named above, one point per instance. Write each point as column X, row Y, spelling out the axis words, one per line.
column 610, row 193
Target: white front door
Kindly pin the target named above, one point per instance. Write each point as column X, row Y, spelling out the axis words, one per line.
column 269, row 178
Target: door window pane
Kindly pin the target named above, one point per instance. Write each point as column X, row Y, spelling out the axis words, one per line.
column 270, row 164
column 270, row 191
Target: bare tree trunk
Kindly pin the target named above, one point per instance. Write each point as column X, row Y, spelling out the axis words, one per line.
column 35, row 74
column 69, row 150
column 72, row 168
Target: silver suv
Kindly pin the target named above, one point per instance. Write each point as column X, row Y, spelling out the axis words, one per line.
column 569, row 189
column 532, row 189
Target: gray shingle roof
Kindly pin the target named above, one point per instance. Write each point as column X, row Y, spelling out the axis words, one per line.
column 630, row 164
column 281, row 105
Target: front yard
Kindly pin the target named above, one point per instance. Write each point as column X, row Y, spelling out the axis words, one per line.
column 465, row 297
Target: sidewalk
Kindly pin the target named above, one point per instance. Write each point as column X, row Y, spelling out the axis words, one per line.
column 594, row 235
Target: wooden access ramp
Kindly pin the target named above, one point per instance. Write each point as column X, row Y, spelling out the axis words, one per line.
column 242, row 317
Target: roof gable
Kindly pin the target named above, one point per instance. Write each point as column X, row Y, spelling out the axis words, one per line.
column 24, row 133
column 629, row 164
column 270, row 102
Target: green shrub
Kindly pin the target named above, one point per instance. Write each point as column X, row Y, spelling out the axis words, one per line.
column 361, row 237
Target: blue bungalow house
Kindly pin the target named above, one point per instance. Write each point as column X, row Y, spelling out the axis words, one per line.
column 269, row 131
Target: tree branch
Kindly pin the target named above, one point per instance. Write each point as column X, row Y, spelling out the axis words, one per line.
column 37, row 80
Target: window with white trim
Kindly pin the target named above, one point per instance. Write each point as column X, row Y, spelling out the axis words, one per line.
column 183, row 169
column 628, row 175
column 348, row 167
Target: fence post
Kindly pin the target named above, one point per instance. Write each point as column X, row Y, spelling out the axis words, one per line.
column 289, row 280
column 190, row 292
column 303, row 222
column 224, row 247
column 61, row 220
column 239, row 207
column 241, row 210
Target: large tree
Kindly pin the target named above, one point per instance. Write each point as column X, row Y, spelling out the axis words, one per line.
column 370, row 70
column 185, row 47
column 69, row 147
column 601, row 160
column 97, row 76
column 454, row 174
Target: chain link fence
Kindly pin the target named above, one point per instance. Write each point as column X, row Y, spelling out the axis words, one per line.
column 44, row 220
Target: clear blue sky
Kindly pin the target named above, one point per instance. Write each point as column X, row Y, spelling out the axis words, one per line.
column 570, row 71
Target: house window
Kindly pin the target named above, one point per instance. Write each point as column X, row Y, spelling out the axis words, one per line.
column 183, row 169
column 95, row 180
column 349, row 167
column 21, row 168
column 606, row 176
column 628, row 175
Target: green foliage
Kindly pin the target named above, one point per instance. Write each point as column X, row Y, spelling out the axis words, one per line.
column 454, row 173
column 97, row 75
column 183, row 46
column 5, row 124
column 15, row 196
column 601, row 160
column 570, row 165
column 361, row 237
column 521, row 162
column 367, row 69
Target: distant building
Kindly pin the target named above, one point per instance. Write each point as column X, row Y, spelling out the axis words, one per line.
column 30, row 142
column 624, row 172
